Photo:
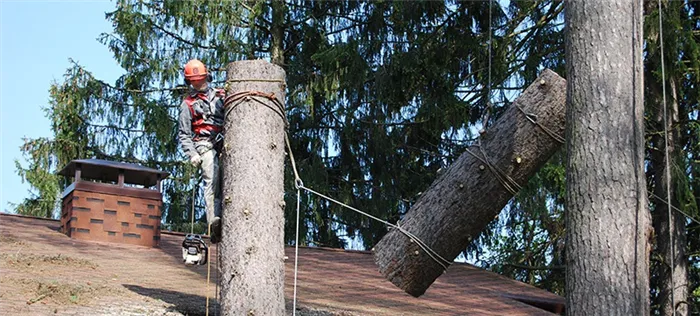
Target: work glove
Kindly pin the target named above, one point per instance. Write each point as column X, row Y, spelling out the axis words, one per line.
column 195, row 160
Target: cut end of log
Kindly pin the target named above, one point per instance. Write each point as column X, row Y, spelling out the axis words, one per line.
column 394, row 272
column 415, row 292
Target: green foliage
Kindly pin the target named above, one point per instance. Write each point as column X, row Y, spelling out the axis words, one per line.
column 71, row 141
column 528, row 242
column 375, row 106
column 44, row 183
column 380, row 95
column 681, row 61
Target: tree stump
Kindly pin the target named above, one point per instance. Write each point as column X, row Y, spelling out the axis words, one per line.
column 468, row 195
column 252, row 245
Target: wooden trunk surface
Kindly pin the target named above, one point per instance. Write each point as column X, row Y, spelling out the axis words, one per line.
column 607, row 220
column 468, row 195
column 252, row 248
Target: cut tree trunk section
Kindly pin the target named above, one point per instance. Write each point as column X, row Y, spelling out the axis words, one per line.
column 252, row 247
column 475, row 188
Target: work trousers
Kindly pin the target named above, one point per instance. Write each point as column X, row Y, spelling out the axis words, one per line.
column 211, row 175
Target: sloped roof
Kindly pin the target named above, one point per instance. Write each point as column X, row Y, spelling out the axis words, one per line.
column 121, row 279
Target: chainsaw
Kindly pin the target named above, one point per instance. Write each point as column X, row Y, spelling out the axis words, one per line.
column 194, row 250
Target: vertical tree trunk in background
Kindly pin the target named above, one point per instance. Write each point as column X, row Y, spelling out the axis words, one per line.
column 252, row 246
column 279, row 9
column 607, row 220
column 665, row 246
column 467, row 196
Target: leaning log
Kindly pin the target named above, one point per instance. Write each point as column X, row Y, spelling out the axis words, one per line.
column 476, row 187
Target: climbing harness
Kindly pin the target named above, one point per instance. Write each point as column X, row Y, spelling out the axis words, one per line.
column 194, row 250
column 200, row 125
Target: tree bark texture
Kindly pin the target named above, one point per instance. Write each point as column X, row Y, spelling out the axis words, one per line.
column 607, row 220
column 277, row 31
column 252, row 245
column 468, row 195
column 664, row 245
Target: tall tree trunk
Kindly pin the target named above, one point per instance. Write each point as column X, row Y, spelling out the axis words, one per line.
column 665, row 246
column 252, row 247
column 607, row 220
column 465, row 198
column 276, row 45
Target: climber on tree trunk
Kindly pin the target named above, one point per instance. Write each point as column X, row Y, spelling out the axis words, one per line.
column 200, row 133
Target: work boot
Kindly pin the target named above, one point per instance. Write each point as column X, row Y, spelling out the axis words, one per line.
column 215, row 230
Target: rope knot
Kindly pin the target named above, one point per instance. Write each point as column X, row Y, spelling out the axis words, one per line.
column 233, row 100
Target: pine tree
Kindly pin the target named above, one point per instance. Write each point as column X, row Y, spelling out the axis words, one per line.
column 375, row 108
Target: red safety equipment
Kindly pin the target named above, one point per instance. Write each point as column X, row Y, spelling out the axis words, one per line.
column 198, row 125
column 195, row 70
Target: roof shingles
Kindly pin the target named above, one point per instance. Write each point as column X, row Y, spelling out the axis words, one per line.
column 330, row 280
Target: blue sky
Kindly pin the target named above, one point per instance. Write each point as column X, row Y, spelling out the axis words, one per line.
column 36, row 40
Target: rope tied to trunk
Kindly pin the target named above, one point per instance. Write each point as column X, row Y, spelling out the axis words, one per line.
column 504, row 179
column 533, row 119
column 299, row 185
column 234, row 100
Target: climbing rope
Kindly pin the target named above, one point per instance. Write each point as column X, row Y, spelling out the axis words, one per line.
column 209, row 270
column 300, row 185
column 296, row 254
column 490, row 39
column 234, row 100
column 208, row 251
column 218, row 268
column 508, row 182
column 208, row 256
column 676, row 209
column 192, row 214
column 533, row 119
column 258, row 80
column 667, row 173
column 297, row 184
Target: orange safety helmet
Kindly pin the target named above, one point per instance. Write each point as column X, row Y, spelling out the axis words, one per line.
column 195, row 70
